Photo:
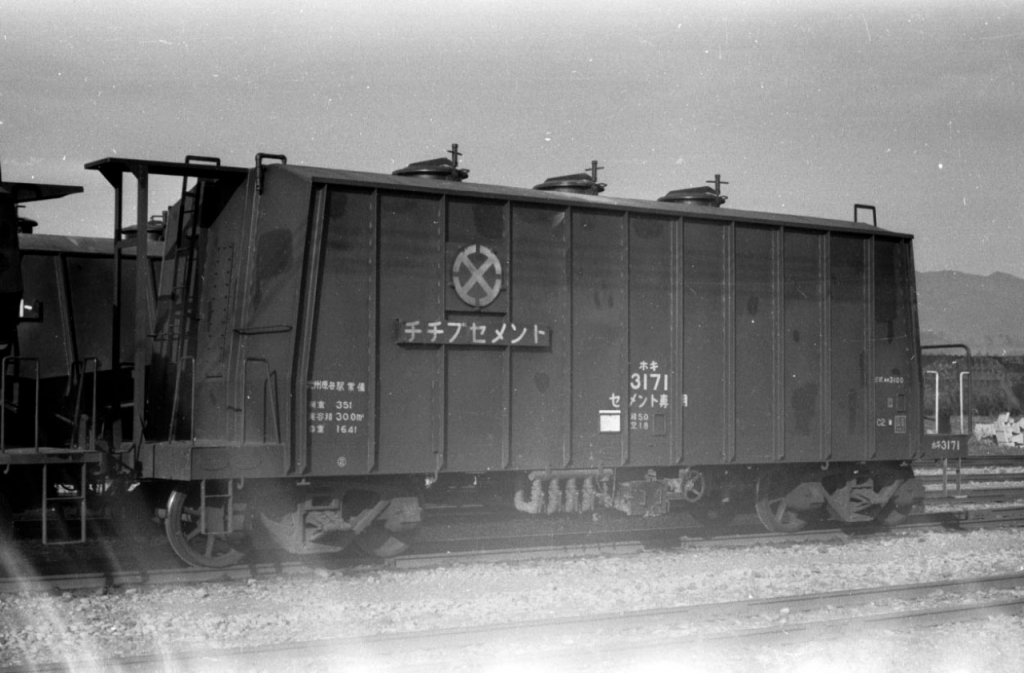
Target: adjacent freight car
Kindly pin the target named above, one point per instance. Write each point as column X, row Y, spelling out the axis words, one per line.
column 58, row 417
column 28, row 381
column 320, row 351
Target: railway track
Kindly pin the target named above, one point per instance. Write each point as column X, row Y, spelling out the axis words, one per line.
column 974, row 479
column 504, row 549
column 493, row 539
column 695, row 536
column 604, row 640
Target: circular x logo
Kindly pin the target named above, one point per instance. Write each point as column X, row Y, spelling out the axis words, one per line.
column 470, row 275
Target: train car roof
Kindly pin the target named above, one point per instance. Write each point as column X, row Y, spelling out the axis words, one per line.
column 115, row 165
column 347, row 177
column 111, row 167
column 27, row 192
column 79, row 245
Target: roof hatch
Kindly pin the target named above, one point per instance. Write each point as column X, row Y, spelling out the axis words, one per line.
column 436, row 169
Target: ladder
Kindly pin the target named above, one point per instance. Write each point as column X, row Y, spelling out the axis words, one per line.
column 55, row 493
column 181, row 312
column 183, row 274
column 75, row 456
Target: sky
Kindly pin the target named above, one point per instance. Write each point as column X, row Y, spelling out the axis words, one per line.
column 805, row 108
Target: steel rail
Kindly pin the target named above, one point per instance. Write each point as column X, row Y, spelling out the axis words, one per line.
column 976, row 495
column 100, row 580
column 383, row 648
column 1008, row 460
column 976, row 478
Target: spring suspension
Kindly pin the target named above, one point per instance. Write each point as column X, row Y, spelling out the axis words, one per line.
column 570, row 500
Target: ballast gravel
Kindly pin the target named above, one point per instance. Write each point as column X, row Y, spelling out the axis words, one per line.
column 319, row 604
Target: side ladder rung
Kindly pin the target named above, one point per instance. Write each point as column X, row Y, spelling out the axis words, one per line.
column 80, row 499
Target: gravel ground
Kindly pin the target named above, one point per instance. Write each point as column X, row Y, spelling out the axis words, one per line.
column 319, row 604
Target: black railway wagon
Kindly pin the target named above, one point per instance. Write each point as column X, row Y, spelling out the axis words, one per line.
column 66, row 311
column 328, row 343
column 57, row 366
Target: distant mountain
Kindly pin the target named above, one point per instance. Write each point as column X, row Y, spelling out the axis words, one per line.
column 984, row 312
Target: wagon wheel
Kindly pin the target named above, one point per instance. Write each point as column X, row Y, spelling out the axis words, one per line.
column 187, row 539
column 772, row 508
column 694, row 486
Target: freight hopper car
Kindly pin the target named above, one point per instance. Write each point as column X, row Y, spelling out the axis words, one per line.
column 330, row 347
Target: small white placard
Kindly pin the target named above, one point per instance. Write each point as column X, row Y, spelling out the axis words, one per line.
column 611, row 420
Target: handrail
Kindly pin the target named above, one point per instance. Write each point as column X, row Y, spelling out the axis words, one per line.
column 968, row 397
column 271, row 376
column 116, row 441
column 936, row 374
column 9, row 359
column 173, row 431
column 78, row 402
